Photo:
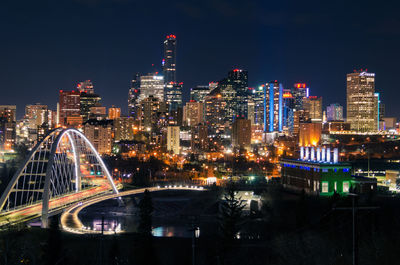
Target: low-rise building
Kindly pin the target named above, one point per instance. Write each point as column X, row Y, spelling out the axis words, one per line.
column 319, row 172
column 316, row 177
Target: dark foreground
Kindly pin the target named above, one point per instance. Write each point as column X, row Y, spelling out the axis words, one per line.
column 288, row 229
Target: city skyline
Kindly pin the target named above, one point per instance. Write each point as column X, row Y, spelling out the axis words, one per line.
column 207, row 132
column 52, row 61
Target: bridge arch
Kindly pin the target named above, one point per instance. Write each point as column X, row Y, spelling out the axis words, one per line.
column 58, row 169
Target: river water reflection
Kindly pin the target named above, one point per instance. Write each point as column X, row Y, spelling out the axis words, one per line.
column 170, row 216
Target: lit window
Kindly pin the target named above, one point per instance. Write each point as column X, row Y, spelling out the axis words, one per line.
column 335, row 185
column 325, row 186
column 325, row 170
column 346, row 186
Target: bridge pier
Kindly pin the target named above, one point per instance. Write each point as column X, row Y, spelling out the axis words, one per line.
column 45, row 221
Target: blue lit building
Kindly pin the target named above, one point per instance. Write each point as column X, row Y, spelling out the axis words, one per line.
column 269, row 107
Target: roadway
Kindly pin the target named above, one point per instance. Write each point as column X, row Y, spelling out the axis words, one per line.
column 70, row 221
column 35, row 210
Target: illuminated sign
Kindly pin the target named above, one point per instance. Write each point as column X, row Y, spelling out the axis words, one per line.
column 287, row 95
column 300, row 85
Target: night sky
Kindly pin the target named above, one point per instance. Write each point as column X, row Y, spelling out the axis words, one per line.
column 50, row 45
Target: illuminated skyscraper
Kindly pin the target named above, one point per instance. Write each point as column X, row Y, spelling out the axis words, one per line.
column 334, row 112
column 133, row 97
column 362, row 103
column 114, row 113
column 289, row 102
column 9, row 112
column 269, row 106
column 215, row 108
column 241, row 131
column 199, row 93
column 123, row 128
column 239, row 80
column 193, row 113
column 70, row 108
column 7, row 126
column 299, row 92
column 313, row 108
column 87, row 101
column 37, row 115
column 273, row 107
column 151, row 85
column 229, row 97
column 151, row 111
column 173, row 139
column 234, row 91
column 258, row 99
column 172, row 89
column 169, row 61
column 173, row 96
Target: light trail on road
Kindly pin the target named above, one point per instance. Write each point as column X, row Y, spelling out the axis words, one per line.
column 70, row 221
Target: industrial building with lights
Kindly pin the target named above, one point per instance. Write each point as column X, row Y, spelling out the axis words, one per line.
column 319, row 172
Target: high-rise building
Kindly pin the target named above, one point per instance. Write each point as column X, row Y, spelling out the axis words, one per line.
column 7, row 126
column 133, row 97
column 98, row 113
column 234, row 90
column 7, row 134
column 273, row 107
column 382, row 110
column 151, row 85
column 215, row 108
column 173, row 96
column 87, row 101
column 239, row 80
column 193, row 113
column 114, row 113
column 169, row 61
column 151, row 109
column 37, row 115
column 99, row 134
column 199, row 93
column 70, row 108
column 173, row 139
column 9, row 112
column 257, row 95
column 123, row 128
column 313, row 107
column 228, row 94
column 251, row 110
column 377, row 109
column 362, row 102
column 334, row 112
column 269, row 106
column 289, row 102
column 299, row 92
column 85, row 87
column 199, row 139
column 241, row 133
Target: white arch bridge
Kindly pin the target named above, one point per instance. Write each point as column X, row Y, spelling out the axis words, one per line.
column 62, row 169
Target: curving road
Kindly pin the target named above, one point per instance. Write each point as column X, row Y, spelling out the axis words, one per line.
column 34, row 211
column 70, row 221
